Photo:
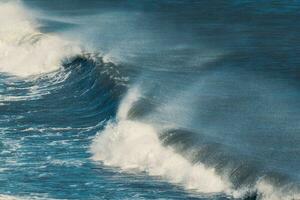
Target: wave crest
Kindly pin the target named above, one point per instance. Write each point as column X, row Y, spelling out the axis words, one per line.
column 135, row 145
column 24, row 50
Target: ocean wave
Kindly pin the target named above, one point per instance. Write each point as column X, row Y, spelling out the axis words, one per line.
column 24, row 50
column 134, row 145
column 89, row 87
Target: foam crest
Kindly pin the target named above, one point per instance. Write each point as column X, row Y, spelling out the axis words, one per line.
column 135, row 145
column 24, row 50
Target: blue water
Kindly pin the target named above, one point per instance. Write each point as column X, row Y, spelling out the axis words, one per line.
column 149, row 100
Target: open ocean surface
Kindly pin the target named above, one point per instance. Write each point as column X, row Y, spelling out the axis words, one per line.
column 149, row 99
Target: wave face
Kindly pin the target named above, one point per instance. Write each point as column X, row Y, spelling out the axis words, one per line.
column 149, row 100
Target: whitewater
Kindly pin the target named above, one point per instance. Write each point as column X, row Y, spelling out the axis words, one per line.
column 101, row 102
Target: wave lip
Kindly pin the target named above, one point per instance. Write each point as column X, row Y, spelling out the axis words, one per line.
column 24, row 50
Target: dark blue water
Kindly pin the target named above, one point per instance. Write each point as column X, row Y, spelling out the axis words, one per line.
column 149, row 100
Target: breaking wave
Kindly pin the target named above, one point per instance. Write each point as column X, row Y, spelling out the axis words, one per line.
column 86, row 90
column 24, row 50
column 135, row 145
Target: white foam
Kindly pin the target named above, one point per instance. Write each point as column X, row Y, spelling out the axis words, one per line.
column 135, row 145
column 7, row 197
column 24, row 50
column 269, row 192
